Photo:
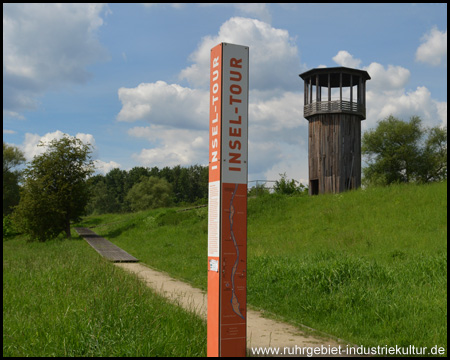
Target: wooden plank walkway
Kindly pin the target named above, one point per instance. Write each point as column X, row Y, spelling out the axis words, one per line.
column 104, row 247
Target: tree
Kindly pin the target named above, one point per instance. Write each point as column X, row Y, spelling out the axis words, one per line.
column 12, row 157
column 134, row 176
column 398, row 151
column 434, row 164
column 198, row 179
column 55, row 190
column 149, row 193
column 116, row 181
column 101, row 199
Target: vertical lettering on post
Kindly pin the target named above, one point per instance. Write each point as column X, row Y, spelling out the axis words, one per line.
column 227, row 241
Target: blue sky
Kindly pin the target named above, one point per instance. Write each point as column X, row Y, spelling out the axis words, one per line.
column 132, row 79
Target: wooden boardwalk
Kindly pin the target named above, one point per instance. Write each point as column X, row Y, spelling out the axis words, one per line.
column 104, row 247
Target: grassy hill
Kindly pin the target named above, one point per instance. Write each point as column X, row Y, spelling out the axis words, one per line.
column 368, row 266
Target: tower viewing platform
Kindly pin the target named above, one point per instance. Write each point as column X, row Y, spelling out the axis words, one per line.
column 338, row 90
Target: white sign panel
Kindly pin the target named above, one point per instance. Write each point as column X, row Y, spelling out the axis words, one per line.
column 235, row 114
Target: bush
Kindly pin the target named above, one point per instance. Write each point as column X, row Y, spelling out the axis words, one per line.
column 258, row 190
column 289, row 187
column 8, row 227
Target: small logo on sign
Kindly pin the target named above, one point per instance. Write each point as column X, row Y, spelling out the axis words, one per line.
column 213, row 265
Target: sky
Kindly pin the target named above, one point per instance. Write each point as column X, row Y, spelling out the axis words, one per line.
column 133, row 79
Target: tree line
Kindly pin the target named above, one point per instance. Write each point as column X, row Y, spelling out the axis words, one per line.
column 58, row 186
column 142, row 188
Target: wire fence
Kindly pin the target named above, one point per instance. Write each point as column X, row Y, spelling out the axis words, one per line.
column 260, row 183
column 252, row 184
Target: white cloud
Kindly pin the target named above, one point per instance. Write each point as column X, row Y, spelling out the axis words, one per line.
column 293, row 162
column 174, row 146
column 441, row 108
column 31, row 149
column 258, row 10
column 404, row 104
column 30, row 146
column 46, row 46
column 392, row 78
column 164, row 104
column 12, row 114
column 344, row 58
column 387, row 95
column 433, row 49
column 89, row 139
column 274, row 57
column 105, row 167
column 263, row 155
column 278, row 116
column 86, row 138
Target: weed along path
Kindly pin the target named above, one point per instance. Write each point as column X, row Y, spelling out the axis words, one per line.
column 263, row 334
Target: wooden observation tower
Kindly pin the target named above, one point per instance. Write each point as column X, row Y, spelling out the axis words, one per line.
column 334, row 105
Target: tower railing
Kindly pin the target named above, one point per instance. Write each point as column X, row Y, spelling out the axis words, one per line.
column 334, row 106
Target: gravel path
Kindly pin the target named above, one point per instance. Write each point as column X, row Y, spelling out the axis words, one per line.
column 261, row 332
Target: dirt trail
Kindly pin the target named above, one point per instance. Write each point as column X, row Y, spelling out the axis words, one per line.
column 261, row 332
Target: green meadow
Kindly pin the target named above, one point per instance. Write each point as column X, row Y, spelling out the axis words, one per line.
column 60, row 298
column 367, row 266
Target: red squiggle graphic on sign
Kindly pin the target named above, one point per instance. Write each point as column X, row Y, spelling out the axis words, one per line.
column 234, row 300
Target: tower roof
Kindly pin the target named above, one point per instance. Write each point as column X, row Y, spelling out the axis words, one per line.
column 335, row 75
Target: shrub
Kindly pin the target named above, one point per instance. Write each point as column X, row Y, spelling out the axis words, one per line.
column 289, row 187
column 8, row 227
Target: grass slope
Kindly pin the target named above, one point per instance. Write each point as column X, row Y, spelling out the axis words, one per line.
column 369, row 266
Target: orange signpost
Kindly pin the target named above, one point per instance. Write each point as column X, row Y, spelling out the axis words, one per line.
column 227, row 204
